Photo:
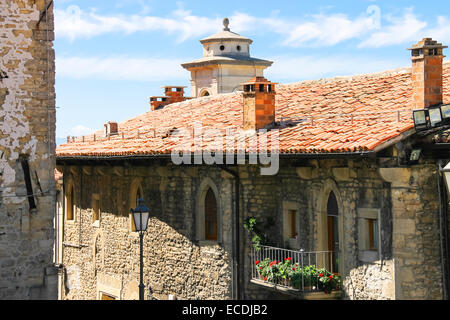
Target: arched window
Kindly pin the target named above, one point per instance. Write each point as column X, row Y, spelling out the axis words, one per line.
column 333, row 230
column 136, row 193
column 205, row 93
column 210, row 216
column 70, row 202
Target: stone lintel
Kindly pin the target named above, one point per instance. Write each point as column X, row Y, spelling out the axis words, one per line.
column 399, row 177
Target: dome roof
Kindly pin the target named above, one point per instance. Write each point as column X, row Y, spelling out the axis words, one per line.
column 226, row 35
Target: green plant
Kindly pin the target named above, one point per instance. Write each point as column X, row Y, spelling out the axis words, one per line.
column 328, row 281
column 306, row 278
column 296, row 276
column 259, row 238
column 310, row 275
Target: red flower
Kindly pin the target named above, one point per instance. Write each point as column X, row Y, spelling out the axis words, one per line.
column 326, row 292
column 288, row 259
column 320, row 275
column 257, row 261
column 331, row 277
column 260, row 268
column 293, row 269
column 265, row 278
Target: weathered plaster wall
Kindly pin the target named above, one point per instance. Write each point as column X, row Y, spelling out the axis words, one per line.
column 27, row 126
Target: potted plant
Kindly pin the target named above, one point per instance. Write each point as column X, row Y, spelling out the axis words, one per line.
column 310, row 278
column 285, row 269
column 296, row 278
column 262, row 268
column 273, row 271
column 328, row 281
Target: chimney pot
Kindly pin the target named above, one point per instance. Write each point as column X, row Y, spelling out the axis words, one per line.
column 258, row 106
column 111, row 129
column 427, row 56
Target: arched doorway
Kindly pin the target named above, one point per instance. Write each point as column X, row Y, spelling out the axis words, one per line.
column 333, row 232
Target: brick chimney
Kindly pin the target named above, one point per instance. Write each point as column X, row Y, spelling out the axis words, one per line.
column 259, row 104
column 427, row 56
column 174, row 93
column 111, row 129
column 158, row 102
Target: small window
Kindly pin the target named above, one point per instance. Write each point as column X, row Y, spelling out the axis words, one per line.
column 238, row 48
column 222, row 47
column 291, row 225
column 105, row 296
column 369, row 234
column 95, row 208
column 373, row 234
column 261, row 88
column 135, row 195
column 210, row 216
column 292, row 216
column 70, row 203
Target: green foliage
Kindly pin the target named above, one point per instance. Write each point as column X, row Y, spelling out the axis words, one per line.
column 308, row 277
column 259, row 237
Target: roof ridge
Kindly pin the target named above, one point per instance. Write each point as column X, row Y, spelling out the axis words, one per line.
column 391, row 72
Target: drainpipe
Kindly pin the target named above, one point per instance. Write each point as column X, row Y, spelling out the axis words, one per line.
column 443, row 234
column 236, row 231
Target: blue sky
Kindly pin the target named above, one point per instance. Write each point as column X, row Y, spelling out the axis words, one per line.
column 112, row 55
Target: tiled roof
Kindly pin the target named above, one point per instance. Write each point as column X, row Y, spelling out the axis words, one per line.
column 338, row 115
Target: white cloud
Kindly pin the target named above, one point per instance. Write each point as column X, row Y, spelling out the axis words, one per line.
column 370, row 28
column 405, row 29
column 119, row 68
column 80, row 130
column 74, row 23
column 293, row 69
column 286, row 68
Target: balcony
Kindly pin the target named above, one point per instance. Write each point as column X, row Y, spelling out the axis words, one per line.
column 306, row 275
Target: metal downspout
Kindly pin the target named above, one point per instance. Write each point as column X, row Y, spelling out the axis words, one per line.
column 236, row 231
column 443, row 235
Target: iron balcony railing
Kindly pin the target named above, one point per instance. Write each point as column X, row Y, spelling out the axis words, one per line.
column 311, row 263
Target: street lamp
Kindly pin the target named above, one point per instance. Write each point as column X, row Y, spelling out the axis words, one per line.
column 140, row 217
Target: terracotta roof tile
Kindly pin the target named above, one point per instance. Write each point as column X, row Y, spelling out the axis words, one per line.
column 343, row 114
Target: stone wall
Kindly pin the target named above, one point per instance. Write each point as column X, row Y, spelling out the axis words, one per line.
column 105, row 258
column 405, row 265
column 27, row 148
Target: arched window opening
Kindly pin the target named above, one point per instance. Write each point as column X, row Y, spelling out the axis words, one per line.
column 333, row 231
column 205, row 93
column 70, row 203
column 210, row 216
column 135, row 195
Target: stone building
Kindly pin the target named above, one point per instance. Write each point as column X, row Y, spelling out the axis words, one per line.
column 27, row 150
column 323, row 166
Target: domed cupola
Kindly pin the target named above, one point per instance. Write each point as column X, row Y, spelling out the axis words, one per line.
column 225, row 65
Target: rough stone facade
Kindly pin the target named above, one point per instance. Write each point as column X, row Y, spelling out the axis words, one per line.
column 406, row 265
column 27, row 150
